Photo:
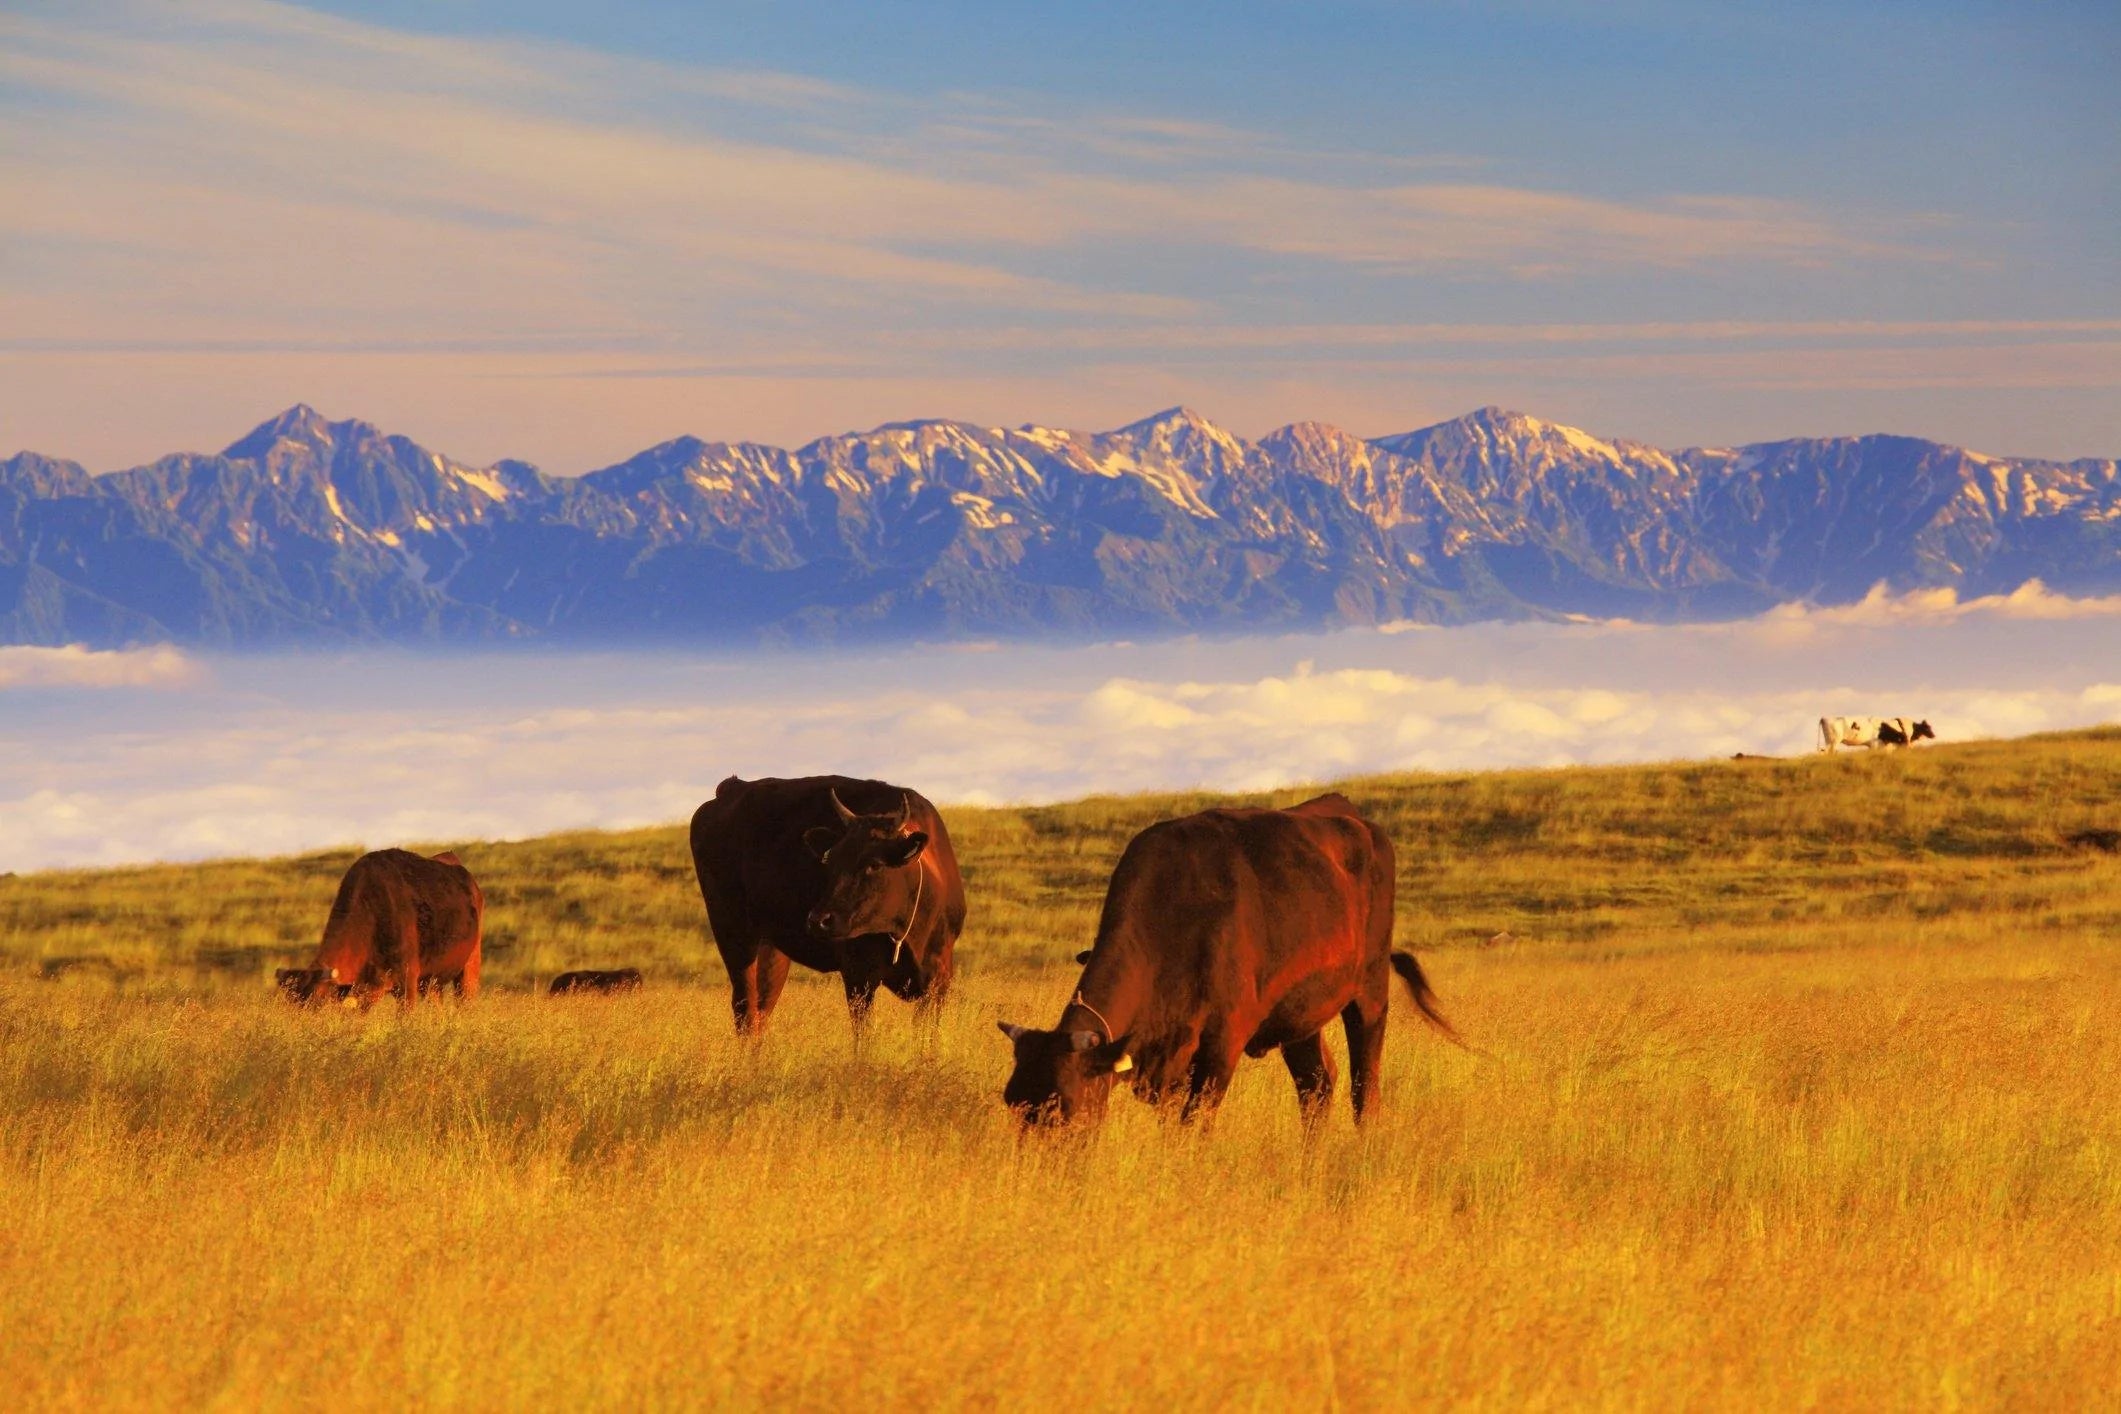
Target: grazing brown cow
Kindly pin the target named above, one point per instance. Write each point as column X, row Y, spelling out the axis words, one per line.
column 1225, row 934
column 402, row 923
column 617, row 979
column 301, row 983
column 841, row 875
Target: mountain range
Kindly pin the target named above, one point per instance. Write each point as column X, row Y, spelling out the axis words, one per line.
column 310, row 531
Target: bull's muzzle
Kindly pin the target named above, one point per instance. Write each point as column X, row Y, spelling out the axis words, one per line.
column 824, row 924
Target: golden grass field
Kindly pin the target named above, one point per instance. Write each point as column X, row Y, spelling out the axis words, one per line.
column 1803, row 1088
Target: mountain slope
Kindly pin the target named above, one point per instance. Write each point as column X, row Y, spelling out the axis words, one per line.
column 308, row 530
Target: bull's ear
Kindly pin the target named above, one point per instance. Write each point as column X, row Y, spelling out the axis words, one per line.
column 904, row 849
column 1113, row 1057
column 820, row 838
column 1014, row 1032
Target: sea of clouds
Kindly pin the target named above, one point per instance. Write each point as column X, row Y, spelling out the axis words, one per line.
column 116, row 757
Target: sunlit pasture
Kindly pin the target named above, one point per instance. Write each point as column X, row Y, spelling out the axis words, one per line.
column 1800, row 1084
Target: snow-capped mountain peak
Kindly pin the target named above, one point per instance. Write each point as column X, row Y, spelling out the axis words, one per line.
column 307, row 528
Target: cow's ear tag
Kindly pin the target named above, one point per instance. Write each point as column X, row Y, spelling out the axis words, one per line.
column 1123, row 1065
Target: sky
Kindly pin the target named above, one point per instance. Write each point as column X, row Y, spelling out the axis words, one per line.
column 566, row 232
column 157, row 753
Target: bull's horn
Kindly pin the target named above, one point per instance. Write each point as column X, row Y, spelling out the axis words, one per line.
column 905, row 806
column 839, row 808
column 1012, row 1030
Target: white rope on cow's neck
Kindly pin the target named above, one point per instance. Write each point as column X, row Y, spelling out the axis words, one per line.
column 920, row 881
column 1082, row 1002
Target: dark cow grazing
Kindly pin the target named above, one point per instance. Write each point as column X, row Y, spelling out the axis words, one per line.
column 402, row 923
column 617, row 979
column 1225, row 934
column 841, row 875
column 301, row 984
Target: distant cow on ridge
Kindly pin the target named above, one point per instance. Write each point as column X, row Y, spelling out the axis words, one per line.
column 1871, row 731
column 841, row 875
column 1225, row 934
column 401, row 922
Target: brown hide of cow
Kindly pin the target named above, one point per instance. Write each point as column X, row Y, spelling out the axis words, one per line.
column 403, row 923
column 762, row 881
column 1226, row 934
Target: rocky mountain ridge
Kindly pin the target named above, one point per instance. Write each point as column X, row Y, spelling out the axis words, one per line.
column 308, row 531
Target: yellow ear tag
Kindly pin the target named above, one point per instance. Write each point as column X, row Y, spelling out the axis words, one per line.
column 1123, row 1065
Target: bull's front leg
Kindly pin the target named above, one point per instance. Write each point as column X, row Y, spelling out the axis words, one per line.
column 939, row 980
column 1214, row 1063
column 1311, row 1067
column 860, row 982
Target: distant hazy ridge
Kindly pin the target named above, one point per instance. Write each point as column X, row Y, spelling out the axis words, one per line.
column 308, row 531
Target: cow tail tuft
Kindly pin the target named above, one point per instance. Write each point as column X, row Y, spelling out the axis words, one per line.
column 1410, row 972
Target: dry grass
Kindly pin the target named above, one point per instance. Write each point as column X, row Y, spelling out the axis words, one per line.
column 1805, row 1088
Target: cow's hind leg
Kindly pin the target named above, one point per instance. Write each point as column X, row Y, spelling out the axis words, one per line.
column 1365, row 1026
column 772, row 973
column 744, row 992
column 1311, row 1067
column 468, row 979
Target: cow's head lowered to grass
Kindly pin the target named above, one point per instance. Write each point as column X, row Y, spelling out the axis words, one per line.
column 1062, row 1076
column 874, row 878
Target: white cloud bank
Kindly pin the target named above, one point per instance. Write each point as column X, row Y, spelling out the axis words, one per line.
column 276, row 755
column 1881, row 608
column 22, row 666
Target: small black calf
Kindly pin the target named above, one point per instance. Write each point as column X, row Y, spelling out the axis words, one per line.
column 617, row 979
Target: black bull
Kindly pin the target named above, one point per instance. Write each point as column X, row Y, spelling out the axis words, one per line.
column 826, row 871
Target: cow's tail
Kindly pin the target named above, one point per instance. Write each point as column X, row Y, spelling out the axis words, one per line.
column 1826, row 736
column 1409, row 971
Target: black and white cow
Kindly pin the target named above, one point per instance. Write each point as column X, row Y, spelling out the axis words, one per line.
column 1871, row 731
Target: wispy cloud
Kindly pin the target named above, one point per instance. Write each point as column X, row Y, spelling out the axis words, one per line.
column 297, row 166
column 508, row 247
column 25, row 668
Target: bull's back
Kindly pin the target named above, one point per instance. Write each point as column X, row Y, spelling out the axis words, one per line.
column 1251, row 897
column 393, row 904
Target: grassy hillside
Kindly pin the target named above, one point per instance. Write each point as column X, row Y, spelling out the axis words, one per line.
column 1803, row 1085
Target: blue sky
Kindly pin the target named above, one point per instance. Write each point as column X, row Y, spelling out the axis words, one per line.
column 564, row 232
